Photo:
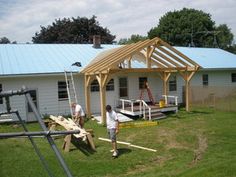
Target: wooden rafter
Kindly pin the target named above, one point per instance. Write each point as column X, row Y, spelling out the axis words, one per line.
column 104, row 61
column 162, row 61
column 172, row 56
column 167, row 58
column 128, row 53
column 177, row 52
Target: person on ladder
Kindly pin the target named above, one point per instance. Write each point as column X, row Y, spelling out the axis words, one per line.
column 78, row 114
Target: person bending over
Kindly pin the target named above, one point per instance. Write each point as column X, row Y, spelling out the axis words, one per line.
column 78, row 114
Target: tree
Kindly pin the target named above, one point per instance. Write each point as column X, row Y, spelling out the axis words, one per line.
column 74, row 30
column 190, row 27
column 4, row 40
column 134, row 38
column 225, row 37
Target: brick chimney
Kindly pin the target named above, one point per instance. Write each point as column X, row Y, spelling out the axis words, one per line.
column 96, row 41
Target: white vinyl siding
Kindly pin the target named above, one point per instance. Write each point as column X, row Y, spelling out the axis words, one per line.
column 47, row 87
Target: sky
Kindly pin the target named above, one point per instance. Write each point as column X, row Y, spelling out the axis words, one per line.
column 20, row 19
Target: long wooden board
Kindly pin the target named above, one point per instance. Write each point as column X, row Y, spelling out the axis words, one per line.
column 129, row 144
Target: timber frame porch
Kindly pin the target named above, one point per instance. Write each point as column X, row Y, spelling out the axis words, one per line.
column 157, row 55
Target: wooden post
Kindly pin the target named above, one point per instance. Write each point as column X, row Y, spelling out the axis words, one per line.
column 129, row 62
column 165, row 91
column 102, row 80
column 187, row 95
column 87, row 81
column 90, row 141
column 148, row 58
column 67, row 142
column 103, row 104
column 165, row 77
column 187, row 76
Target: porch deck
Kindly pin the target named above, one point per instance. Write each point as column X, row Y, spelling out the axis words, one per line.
column 153, row 111
column 135, row 111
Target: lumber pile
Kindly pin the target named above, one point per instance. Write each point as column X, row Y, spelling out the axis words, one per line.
column 69, row 124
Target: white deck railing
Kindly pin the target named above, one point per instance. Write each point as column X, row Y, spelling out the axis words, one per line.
column 145, row 105
column 168, row 97
column 142, row 106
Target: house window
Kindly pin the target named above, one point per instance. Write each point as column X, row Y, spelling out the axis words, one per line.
column 33, row 94
column 142, row 82
column 94, row 86
column 233, row 77
column 62, row 91
column 1, row 100
column 172, row 84
column 110, row 85
column 205, row 79
column 123, row 87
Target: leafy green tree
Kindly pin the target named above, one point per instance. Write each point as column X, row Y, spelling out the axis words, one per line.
column 190, row 27
column 74, row 30
column 134, row 38
column 224, row 37
column 4, row 40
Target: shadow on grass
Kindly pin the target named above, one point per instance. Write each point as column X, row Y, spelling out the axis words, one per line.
column 82, row 146
column 123, row 151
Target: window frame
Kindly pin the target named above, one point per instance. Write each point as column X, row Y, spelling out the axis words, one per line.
column 110, row 85
column 1, row 99
column 205, row 80
column 141, row 82
column 34, row 97
column 172, row 83
column 94, row 86
column 233, row 77
column 62, row 91
column 123, row 88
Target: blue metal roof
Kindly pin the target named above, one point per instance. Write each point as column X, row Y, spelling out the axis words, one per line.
column 45, row 58
column 210, row 58
column 18, row 59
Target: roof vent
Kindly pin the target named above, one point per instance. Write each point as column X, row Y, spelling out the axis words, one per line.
column 97, row 41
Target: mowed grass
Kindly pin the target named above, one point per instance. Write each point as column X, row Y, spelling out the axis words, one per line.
column 199, row 143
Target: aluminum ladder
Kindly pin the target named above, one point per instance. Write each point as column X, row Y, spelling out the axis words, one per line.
column 70, row 87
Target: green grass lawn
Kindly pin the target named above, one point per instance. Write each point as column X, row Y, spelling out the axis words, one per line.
column 199, row 143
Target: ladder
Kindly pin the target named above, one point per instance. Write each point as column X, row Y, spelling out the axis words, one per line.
column 149, row 93
column 70, row 87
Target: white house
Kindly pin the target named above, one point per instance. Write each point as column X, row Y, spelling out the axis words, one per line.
column 41, row 67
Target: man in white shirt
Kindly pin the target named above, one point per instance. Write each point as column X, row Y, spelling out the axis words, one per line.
column 112, row 128
column 78, row 114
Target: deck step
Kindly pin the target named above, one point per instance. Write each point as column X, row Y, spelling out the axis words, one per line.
column 157, row 115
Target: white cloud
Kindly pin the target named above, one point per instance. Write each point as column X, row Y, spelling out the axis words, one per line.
column 19, row 21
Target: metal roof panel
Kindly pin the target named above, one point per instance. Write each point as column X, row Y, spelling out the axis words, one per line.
column 18, row 59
